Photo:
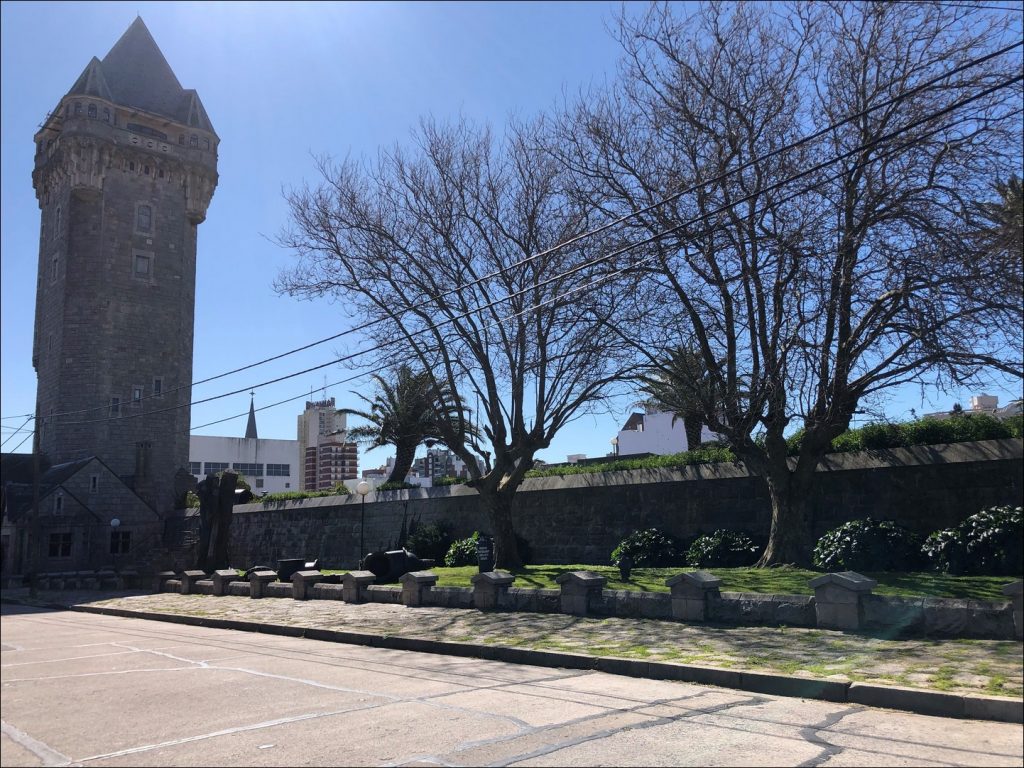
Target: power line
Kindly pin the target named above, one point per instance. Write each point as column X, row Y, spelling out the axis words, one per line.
column 27, row 420
column 617, row 252
column 571, row 241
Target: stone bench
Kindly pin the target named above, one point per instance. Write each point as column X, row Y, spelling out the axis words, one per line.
column 303, row 583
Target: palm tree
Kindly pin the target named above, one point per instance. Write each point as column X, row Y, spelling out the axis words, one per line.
column 681, row 387
column 403, row 413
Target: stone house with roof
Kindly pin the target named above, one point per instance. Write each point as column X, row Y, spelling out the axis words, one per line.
column 88, row 518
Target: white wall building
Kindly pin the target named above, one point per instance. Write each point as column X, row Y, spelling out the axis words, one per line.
column 270, row 466
column 654, row 432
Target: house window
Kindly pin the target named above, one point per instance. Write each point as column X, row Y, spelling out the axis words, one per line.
column 94, row 483
column 195, row 468
column 58, row 504
column 92, row 111
column 142, row 266
column 120, row 542
column 144, row 216
column 115, row 406
column 249, row 470
column 60, row 544
column 259, row 482
column 287, row 485
column 213, row 467
column 278, row 470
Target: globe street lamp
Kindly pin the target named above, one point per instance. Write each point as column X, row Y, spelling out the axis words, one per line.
column 362, row 489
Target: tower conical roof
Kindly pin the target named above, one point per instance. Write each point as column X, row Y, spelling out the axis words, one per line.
column 134, row 73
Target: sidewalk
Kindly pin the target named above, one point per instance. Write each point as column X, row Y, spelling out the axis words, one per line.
column 943, row 666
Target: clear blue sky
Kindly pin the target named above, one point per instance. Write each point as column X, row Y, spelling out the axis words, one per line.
column 281, row 82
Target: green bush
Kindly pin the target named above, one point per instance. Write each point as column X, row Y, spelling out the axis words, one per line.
column 1016, row 425
column 869, row 545
column 649, row 548
column 462, row 552
column 440, row 481
column 430, row 541
column 706, row 454
column 339, row 489
column 397, row 485
column 990, row 543
column 723, row 549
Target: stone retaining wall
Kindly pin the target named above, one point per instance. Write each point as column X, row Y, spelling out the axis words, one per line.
column 924, row 488
column 582, row 593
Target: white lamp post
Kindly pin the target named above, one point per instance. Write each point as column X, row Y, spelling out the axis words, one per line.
column 362, row 489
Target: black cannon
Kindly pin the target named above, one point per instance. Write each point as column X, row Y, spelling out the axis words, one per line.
column 389, row 566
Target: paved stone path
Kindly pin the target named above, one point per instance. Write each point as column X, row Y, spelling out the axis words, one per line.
column 993, row 667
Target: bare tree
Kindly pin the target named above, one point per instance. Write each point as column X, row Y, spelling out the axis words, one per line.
column 434, row 243
column 804, row 296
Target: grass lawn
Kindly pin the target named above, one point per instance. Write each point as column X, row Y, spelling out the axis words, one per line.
column 789, row 581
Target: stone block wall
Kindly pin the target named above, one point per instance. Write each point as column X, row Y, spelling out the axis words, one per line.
column 923, row 488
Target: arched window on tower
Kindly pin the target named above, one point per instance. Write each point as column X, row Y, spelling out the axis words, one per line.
column 181, row 139
column 206, row 143
column 193, row 141
column 78, row 108
column 93, row 112
column 106, row 114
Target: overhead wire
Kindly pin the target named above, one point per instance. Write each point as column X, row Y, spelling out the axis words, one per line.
column 617, row 252
column 570, row 241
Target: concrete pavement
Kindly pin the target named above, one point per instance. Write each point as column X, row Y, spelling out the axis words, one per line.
column 89, row 689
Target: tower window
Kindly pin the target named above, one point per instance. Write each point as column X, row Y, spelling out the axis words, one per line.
column 144, row 216
column 78, row 108
column 136, row 393
column 54, row 268
column 106, row 114
column 193, row 141
column 56, row 223
column 115, row 406
column 158, row 386
column 143, row 265
column 131, row 165
column 161, row 173
column 92, row 111
column 206, row 143
column 145, row 169
column 181, row 139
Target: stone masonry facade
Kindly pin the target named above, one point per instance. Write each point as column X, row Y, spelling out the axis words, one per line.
column 125, row 167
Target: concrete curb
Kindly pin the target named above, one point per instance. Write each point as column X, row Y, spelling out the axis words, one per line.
column 972, row 706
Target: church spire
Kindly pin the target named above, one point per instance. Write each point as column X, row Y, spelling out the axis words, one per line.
column 250, row 428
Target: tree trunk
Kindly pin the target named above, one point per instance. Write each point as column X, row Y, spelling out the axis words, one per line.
column 499, row 512
column 789, row 540
column 404, row 455
column 693, row 425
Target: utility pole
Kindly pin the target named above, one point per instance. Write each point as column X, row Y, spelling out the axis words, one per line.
column 35, row 527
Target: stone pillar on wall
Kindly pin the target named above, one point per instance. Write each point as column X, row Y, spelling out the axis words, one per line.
column 189, row 579
column 489, row 587
column 690, row 594
column 1015, row 592
column 258, row 581
column 221, row 580
column 414, row 584
column 303, row 583
column 838, row 599
column 578, row 587
column 354, row 584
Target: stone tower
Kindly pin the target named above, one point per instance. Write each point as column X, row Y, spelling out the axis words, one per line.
column 125, row 167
